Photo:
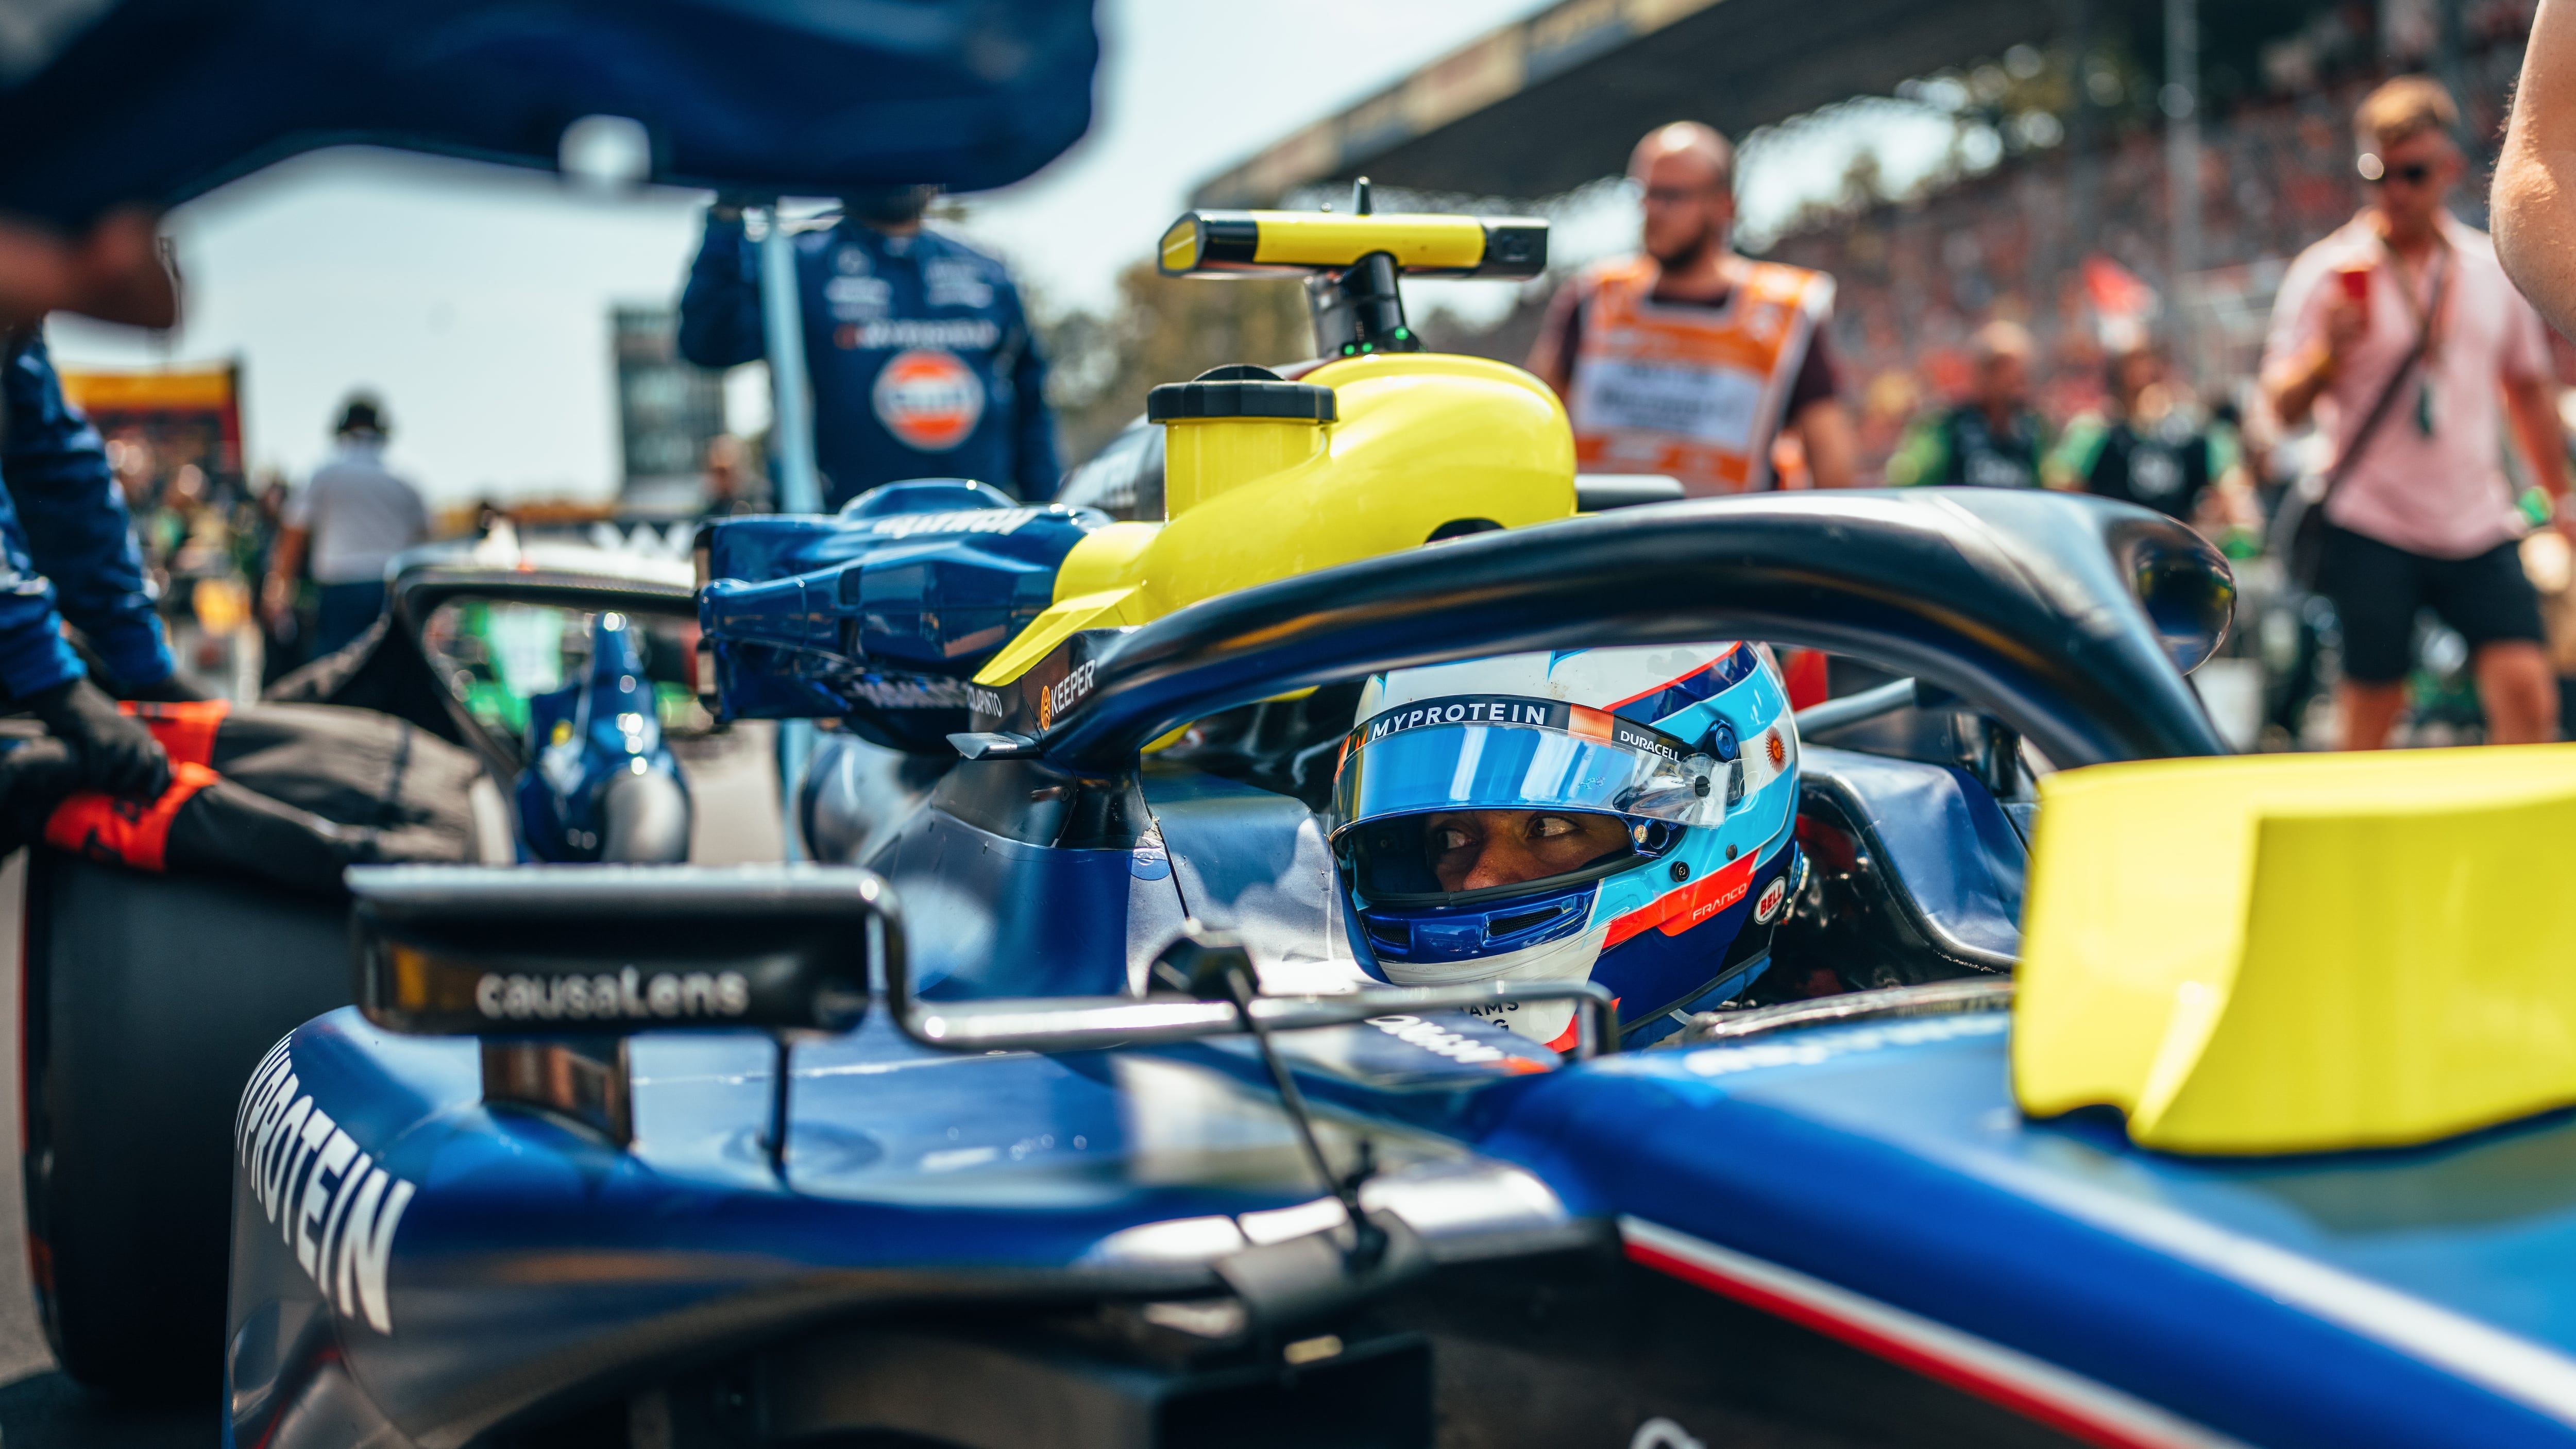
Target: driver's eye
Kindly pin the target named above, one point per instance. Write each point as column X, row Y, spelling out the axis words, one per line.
column 1448, row 838
column 1546, row 826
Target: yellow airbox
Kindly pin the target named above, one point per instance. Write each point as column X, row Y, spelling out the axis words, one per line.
column 2303, row 953
column 1264, row 479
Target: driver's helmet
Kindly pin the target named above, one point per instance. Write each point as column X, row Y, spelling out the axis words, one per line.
column 1620, row 814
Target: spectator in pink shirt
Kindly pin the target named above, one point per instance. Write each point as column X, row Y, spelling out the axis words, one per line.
column 2404, row 334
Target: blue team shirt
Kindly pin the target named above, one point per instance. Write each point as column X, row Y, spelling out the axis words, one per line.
column 921, row 360
column 67, row 550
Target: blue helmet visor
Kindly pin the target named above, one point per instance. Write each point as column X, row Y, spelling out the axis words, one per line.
column 1500, row 753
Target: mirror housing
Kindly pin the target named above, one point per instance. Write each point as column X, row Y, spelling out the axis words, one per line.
column 603, row 950
column 1100, row 1023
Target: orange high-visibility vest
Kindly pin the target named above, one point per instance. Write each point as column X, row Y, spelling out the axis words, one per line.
column 1693, row 392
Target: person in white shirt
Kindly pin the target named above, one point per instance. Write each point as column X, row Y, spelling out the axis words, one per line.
column 353, row 517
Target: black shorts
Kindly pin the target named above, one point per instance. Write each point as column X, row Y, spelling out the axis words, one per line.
column 2377, row 589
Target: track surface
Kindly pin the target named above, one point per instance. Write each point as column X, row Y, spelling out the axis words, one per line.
column 735, row 795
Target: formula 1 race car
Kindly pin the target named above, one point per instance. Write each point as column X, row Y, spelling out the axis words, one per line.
column 1027, row 1191
column 1087, row 1116
column 1091, row 1115
column 1135, row 1151
column 628, row 1155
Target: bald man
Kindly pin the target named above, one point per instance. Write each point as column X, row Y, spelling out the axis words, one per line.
column 1689, row 360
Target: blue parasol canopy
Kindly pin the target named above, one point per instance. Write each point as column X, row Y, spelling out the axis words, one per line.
column 109, row 102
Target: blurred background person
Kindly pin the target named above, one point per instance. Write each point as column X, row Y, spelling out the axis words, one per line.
column 2149, row 444
column 731, row 491
column 348, row 522
column 2404, row 332
column 921, row 358
column 1992, row 438
column 282, row 647
column 1690, row 360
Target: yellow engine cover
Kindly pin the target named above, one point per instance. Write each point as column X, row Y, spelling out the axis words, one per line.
column 2303, row 953
column 1423, row 439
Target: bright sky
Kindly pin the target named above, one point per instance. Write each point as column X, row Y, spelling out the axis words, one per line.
column 476, row 299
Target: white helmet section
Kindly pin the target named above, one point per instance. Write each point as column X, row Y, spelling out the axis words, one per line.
column 1601, row 678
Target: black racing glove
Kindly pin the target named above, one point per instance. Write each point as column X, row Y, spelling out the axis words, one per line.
column 117, row 753
column 173, row 688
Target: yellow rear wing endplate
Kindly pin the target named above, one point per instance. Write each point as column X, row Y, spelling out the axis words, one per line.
column 2303, row 953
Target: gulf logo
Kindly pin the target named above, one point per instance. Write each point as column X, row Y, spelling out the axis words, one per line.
column 929, row 399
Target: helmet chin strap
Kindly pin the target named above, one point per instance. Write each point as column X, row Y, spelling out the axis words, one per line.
column 1569, row 959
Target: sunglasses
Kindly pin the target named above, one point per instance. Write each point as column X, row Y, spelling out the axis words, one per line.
column 2413, row 173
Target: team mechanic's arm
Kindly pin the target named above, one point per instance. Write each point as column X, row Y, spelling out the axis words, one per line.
column 2535, row 180
column 720, row 307
column 76, row 532
column 1033, row 455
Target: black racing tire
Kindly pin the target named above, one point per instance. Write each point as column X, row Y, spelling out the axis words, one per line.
column 149, row 999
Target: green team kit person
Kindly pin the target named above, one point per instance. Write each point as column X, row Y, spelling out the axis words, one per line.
column 2149, row 445
column 1992, row 439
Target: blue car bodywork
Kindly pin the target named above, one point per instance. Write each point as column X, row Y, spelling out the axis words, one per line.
column 1870, row 1187
column 1820, row 1222
column 879, row 615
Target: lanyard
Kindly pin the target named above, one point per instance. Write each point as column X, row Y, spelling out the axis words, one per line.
column 2428, row 319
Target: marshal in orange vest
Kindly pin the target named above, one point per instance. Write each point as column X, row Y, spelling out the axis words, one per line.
column 1693, row 392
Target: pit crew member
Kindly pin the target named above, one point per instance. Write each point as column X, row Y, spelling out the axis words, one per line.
column 921, row 358
column 67, row 551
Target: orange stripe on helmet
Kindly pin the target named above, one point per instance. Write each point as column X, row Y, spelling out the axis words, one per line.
column 1677, row 911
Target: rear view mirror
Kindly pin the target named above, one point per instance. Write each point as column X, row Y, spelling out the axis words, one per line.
column 553, row 966
column 1096, row 1023
column 590, row 950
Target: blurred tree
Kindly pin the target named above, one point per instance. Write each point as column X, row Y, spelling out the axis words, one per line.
column 1164, row 329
